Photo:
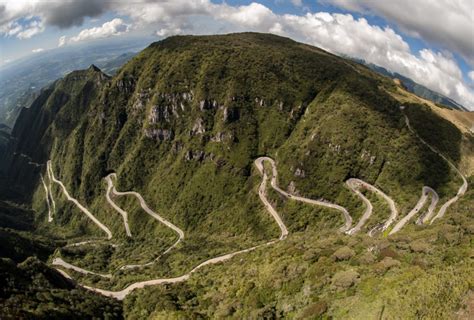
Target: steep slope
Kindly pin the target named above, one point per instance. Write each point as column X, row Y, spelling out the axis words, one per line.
column 182, row 124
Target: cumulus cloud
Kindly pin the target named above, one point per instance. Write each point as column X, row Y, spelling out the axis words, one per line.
column 62, row 14
column 25, row 30
column 340, row 33
column 446, row 22
column 37, row 50
column 337, row 33
column 111, row 28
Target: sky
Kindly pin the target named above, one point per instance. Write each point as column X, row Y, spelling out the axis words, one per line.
column 429, row 41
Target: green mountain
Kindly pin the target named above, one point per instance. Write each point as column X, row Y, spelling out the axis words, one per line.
column 182, row 124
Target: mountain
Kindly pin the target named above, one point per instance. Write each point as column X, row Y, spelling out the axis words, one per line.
column 182, row 123
column 21, row 81
column 416, row 88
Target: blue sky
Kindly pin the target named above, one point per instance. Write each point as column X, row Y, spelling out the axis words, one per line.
column 433, row 45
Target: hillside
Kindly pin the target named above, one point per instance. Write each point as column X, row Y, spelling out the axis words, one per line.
column 184, row 124
column 32, row 290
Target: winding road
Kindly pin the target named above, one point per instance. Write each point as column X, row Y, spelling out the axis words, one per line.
column 424, row 196
column 146, row 208
column 46, row 190
column 60, row 262
column 120, row 295
column 73, row 200
column 110, row 188
column 353, row 184
column 462, row 188
column 274, row 184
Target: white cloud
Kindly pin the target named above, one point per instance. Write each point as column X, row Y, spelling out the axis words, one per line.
column 114, row 27
column 22, row 31
column 254, row 16
column 37, row 50
column 340, row 33
column 62, row 41
column 446, row 22
column 471, row 75
column 33, row 28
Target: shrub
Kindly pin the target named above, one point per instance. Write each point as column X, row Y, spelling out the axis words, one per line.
column 344, row 279
column 343, row 253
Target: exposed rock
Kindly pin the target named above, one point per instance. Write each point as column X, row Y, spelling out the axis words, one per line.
column 159, row 114
column 230, row 114
column 177, row 147
column 300, row 173
column 292, row 188
column 159, row 134
column 197, row 155
column 102, row 117
column 335, row 147
column 126, row 85
column 219, row 137
column 187, row 96
column 198, row 127
column 202, row 105
column 280, row 106
column 141, row 99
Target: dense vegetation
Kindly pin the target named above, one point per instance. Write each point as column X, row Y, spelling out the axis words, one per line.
column 182, row 123
column 32, row 290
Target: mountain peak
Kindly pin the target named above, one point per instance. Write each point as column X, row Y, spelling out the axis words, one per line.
column 93, row 67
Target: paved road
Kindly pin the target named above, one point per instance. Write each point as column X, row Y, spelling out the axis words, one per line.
column 354, row 185
column 110, row 187
column 424, row 196
column 262, row 193
column 80, row 206
column 62, row 263
column 391, row 204
column 463, row 187
column 30, row 160
column 274, row 184
column 148, row 210
column 120, row 295
column 46, row 191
